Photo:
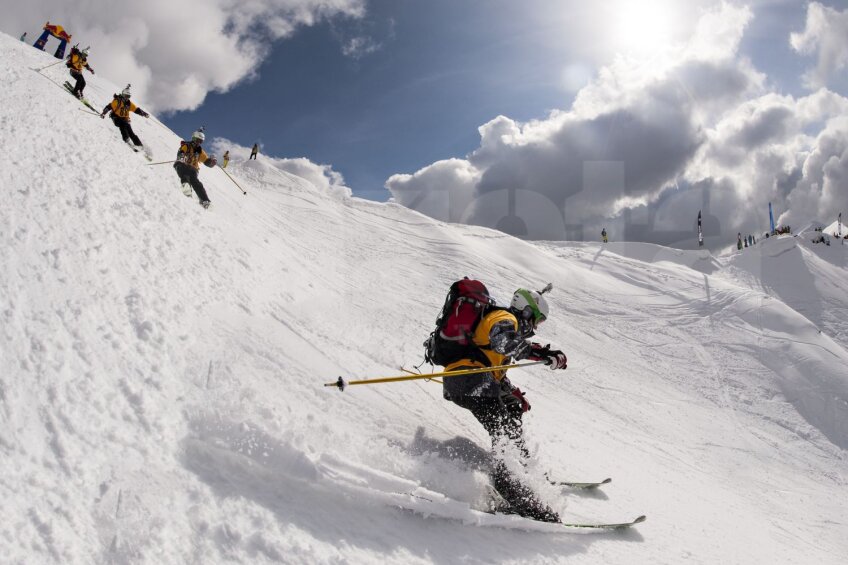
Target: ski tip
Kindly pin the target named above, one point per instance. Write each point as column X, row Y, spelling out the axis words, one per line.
column 640, row 519
column 606, row 481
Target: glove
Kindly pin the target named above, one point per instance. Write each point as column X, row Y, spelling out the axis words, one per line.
column 512, row 396
column 554, row 358
column 525, row 406
column 143, row 114
column 539, row 353
column 557, row 360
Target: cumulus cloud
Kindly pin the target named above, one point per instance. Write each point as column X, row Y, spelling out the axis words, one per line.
column 644, row 147
column 825, row 35
column 322, row 177
column 443, row 190
column 175, row 53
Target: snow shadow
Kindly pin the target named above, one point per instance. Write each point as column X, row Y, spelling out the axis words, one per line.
column 469, row 455
column 790, row 279
column 459, row 449
column 240, row 461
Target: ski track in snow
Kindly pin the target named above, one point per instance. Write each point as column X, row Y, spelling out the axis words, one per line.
column 161, row 372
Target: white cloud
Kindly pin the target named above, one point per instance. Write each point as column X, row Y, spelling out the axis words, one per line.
column 644, row 147
column 175, row 53
column 359, row 46
column 820, row 193
column 443, row 190
column 826, row 35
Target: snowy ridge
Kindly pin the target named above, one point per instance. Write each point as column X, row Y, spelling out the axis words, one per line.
column 161, row 372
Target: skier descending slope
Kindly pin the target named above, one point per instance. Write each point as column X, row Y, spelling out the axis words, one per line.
column 498, row 337
column 187, row 165
column 121, row 107
column 77, row 61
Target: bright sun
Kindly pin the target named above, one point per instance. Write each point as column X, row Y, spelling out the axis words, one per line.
column 642, row 27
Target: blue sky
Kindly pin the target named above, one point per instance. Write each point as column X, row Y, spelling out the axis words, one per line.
column 443, row 69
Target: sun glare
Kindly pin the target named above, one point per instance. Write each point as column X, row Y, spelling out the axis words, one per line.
column 642, row 27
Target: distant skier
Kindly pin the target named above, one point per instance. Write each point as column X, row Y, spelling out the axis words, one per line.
column 187, row 165
column 121, row 107
column 23, row 37
column 77, row 61
column 739, row 241
column 604, row 235
column 226, row 159
column 501, row 337
column 254, row 151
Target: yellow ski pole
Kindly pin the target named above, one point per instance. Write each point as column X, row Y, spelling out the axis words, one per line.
column 48, row 66
column 243, row 191
column 341, row 384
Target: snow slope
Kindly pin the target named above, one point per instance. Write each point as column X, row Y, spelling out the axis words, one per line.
column 161, row 372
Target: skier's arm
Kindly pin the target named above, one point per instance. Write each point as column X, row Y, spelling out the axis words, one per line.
column 141, row 112
column 106, row 108
column 504, row 339
column 207, row 160
column 87, row 66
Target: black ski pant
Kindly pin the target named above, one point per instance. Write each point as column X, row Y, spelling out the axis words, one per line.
column 80, row 85
column 126, row 130
column 188, row 174
column 253, row 156
column 502, row 421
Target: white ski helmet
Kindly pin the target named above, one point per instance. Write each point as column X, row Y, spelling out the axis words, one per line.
column 198, row 136
column 531, row 305
column 126, row 92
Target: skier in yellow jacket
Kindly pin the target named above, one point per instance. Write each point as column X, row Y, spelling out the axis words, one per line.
column 502, row 336
column 121, row 107
column 187, row 165
column 77, row 61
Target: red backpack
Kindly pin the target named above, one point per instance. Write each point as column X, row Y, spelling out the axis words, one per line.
column 467, row 302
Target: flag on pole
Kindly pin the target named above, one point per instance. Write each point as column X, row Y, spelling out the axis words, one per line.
column 771, row 219
column 700, row 233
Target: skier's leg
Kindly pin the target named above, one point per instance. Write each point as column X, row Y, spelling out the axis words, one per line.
column 504, row 427
column 183, row 171
column 80, row 83
column 132, row 135
column 198, row 187
column 121, row 125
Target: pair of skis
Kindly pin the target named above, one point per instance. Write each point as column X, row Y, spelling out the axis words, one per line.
column 85, row 102
column 589, row 525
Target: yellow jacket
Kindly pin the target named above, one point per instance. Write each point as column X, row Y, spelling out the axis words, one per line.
column 190, row 155
column 481, row 340
column 77, row 63
column 122, row 109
